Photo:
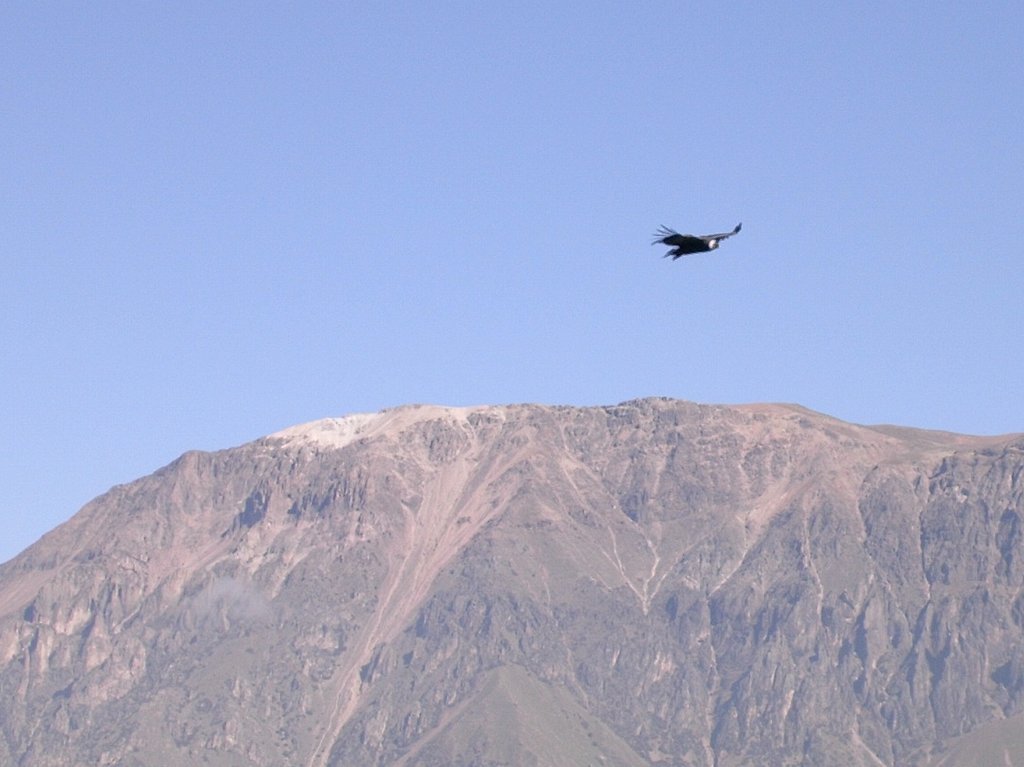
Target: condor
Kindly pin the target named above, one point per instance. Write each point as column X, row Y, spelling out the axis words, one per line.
column 685, row 244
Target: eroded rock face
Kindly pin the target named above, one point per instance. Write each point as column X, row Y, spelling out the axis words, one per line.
column 655, row 583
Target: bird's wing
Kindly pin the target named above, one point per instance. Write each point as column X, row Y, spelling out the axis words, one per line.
column 663, row 234
column 722, row 236
column 668, row 236
column 686, row 243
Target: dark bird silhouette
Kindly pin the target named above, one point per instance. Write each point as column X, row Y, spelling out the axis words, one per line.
column 685, row 244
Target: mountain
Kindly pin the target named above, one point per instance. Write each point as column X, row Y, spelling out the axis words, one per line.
column 654, row 583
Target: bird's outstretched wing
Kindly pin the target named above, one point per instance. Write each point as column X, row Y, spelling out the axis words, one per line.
column 681, row 244
column 662, row 233
column 722, row 236
column 666, row 236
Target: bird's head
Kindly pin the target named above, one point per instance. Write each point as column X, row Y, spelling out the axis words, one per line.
column 712, row 244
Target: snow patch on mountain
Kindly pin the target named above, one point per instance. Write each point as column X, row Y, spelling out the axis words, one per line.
column 339, row 432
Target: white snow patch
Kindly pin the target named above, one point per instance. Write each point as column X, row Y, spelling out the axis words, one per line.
column 339, row 432
column 330, row 432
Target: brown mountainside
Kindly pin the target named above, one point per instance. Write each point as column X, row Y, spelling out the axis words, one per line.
column 654, row 583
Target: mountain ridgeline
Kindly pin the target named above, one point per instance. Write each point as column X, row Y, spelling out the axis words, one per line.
column 655, row 583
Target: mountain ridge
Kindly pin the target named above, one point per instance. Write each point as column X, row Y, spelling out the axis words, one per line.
column 386, row 568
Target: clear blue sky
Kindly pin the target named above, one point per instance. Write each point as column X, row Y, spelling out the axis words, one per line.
column 222, row 219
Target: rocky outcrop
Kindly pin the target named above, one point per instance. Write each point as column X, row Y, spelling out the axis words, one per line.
column 656, row 583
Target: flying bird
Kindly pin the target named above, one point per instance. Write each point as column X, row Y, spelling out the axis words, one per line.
column 685, row 244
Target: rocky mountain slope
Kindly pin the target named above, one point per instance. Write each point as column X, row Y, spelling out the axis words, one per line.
column 654, row 583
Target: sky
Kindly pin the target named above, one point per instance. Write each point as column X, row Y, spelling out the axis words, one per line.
column 222, row 219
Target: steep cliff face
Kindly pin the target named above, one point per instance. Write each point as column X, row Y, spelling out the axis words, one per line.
column 655, row 583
